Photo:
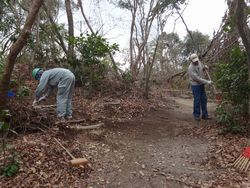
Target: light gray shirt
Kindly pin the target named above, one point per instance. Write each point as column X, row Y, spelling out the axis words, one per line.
column 196, row 74
column 51, row 79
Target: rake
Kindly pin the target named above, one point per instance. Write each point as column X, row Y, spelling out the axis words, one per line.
column 218, row 95
column 243, row 161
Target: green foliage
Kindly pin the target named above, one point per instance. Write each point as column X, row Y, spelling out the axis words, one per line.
column 11, row 168
column 197, row 44
column 23, row 91
column 230, row 25
column 93, row 47
column 232, row 79
column 125, row 4
column 162, row 5
column 1, row 64
column 227, row 117
column 92, row 61
column 127, row 78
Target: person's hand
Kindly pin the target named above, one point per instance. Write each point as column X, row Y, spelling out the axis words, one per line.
column 42, row 98
column 209, row 82
column 205, row 68
column 34, row 102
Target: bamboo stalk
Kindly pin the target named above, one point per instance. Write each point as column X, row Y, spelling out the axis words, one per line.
column 237, row 160
column 248, row 164
column 243, row 164
column 237, row 165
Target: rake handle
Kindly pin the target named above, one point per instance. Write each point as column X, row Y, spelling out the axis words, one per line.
column 209, row 77
column 65, row 148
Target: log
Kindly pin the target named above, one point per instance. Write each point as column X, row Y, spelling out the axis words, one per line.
column 70, row 121
column 80, row 127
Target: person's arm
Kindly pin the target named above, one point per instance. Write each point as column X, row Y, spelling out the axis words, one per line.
column 196, row 77
column 49, row 91
column 43, row 84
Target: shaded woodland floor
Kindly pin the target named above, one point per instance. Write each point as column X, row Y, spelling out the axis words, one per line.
column 161, row 147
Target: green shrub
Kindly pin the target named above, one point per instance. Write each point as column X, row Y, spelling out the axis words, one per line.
column 91, row 64
column 10, row 164
column 232, row 79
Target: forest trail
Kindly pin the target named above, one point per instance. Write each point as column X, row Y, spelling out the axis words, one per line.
column 161, row 149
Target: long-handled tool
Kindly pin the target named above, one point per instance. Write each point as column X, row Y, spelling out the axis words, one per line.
column 74, row 161
column 218, row 96
column 243, row 161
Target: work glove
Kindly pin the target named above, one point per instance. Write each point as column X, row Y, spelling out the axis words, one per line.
column 34, row 102
column 205, row 68
column 42, row 98
column 209, row 82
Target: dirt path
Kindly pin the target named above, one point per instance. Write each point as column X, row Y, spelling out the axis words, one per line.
column 163, row 149
column 157, row 150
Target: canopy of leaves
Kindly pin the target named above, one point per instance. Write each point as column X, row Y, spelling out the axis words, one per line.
column 197, row 43
column 93, row 47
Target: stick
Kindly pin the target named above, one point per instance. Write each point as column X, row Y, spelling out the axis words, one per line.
column 215, row 91
column 44, row 106
column 65, row 149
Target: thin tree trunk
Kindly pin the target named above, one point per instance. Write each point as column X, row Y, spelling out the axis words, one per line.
column 150, row 64
column 35, row 50
column 60, row 38
column 133, row 65
column 15, row 50
column 70, row 53
column 116, row 69
column 244, row 31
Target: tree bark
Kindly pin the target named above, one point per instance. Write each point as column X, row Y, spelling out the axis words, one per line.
column 70, row 53
column 244, row 32
column 133, row 65
column 14, row 51
column 59, row 36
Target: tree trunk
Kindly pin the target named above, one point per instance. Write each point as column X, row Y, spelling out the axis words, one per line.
column 35, row 50
column 133, row 64
column 15, row 49
column 70, row 53
column 59, row 36
column 149, row 65
column 244, row 31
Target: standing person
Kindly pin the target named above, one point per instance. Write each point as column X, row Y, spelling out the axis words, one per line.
column 64, row 81
column 197, row 80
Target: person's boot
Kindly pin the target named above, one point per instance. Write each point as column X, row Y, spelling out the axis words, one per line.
column 197, row 118
column 60, row 119
column 206, row 118
column 69, row 117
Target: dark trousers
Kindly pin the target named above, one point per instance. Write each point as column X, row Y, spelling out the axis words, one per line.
column 200, row 101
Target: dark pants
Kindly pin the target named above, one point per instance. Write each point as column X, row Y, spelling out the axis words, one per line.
column 200, row 101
